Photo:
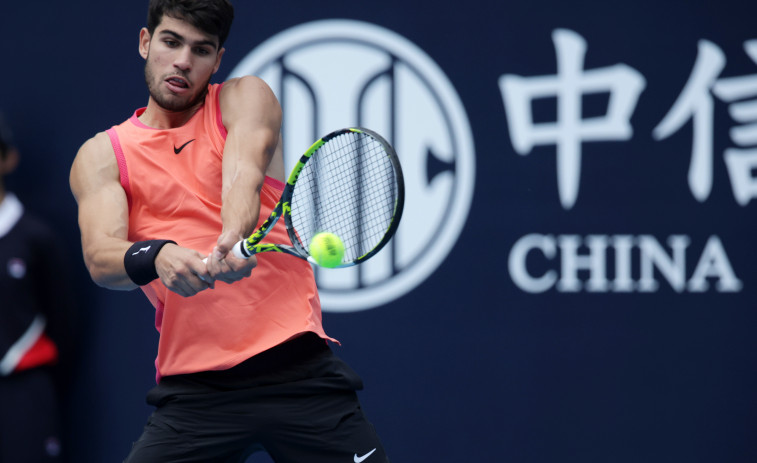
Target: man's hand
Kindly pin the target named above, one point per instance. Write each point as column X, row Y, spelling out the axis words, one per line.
column 182, row 270
column 223, row 266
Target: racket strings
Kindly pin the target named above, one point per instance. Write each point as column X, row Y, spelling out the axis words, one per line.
column 348, row 187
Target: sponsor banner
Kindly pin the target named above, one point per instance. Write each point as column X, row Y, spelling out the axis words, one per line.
column 334, row 73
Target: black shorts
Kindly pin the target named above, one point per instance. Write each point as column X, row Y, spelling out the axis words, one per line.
column 297, row 402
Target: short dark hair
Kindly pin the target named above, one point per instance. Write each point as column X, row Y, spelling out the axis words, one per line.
column 210, row 16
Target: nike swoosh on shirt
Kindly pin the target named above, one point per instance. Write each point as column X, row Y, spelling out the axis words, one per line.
column 362, row 459
column 178, row 150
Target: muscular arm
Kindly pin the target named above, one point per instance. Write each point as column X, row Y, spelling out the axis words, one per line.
column 252, row 117
column 104, row 225
column 103, row 213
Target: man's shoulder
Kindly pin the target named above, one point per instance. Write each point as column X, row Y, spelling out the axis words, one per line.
column 246, row 95
column 100, row 142
column 95, row 155
column 244, row 84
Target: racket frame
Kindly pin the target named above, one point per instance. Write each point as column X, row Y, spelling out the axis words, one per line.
column 252, row 245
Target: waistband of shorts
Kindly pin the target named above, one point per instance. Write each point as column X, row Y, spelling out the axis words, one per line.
column 278, row 357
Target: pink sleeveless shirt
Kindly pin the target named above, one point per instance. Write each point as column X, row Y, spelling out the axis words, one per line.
column 172, row 180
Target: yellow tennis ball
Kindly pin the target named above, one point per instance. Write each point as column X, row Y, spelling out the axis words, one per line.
column 327, row 249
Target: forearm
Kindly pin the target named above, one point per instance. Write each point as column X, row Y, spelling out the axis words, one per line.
column 253, row 119
column 246, row 157
column 105, row 262
column 241, row 205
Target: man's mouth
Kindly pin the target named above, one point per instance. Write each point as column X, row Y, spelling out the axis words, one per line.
column 177, row 83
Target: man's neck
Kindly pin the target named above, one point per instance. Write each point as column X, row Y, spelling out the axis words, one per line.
column 158, row 117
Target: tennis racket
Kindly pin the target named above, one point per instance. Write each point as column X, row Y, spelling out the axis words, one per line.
column 348, row 183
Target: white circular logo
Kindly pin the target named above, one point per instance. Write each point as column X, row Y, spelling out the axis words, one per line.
column 340, row 73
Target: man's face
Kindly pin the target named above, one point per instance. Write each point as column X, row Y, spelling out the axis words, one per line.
column 179, row 62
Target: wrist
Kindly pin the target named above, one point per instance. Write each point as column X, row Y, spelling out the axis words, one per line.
column 139, row 260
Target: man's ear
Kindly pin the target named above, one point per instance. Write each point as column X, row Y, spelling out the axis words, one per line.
column 218, row 60
column 144, row 42
column 9, row 163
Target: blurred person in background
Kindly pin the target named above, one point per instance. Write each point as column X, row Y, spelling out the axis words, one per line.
column 35, row 334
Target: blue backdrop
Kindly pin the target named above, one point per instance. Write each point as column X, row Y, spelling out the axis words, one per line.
column 590, row 167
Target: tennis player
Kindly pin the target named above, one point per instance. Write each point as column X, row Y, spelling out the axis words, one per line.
column 243, row 363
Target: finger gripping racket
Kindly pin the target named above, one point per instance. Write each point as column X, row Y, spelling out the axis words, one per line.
column 348, row 183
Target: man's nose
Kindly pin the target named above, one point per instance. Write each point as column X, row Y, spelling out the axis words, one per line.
column 183, row 60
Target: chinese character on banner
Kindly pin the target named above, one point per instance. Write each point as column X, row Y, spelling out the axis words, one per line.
column 623, row 83
column 696, row 103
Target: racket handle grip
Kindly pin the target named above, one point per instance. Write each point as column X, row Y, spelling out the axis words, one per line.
column 239, row 250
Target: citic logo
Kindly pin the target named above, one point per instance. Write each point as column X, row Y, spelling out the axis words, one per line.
column 339, row 73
